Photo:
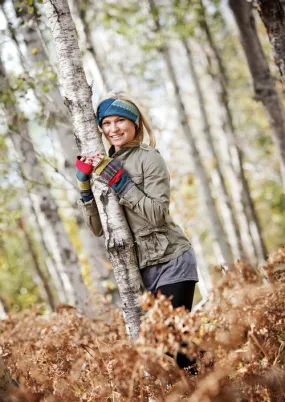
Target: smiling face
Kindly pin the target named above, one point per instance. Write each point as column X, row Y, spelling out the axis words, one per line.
column 118, row 130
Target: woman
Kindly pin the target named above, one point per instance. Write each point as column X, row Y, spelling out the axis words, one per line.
column 138, row 175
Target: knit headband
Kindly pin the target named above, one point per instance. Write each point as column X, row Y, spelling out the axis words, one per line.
column 117, row 107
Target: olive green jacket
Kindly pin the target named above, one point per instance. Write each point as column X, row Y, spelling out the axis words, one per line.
column 146, row 204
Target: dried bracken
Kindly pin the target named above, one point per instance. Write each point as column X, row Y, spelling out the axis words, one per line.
column 275, row 265
column 237, row 342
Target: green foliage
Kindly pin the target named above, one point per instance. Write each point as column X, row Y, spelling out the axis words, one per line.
column 17, row 286
column 136, row 27
column 270, row 201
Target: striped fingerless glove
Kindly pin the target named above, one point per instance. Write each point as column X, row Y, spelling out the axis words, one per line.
column 114, row 175
column 83, row 171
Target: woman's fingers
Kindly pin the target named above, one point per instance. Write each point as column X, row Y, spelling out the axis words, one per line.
column 97, row 159
column 89, row 161
column 92, row 160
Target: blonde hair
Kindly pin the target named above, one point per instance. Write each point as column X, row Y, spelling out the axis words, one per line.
column 143, row 122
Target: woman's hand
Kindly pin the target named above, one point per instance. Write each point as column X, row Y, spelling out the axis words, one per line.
column 92, row 160
column 97, row 159
column 86, row 159
column 83, row 170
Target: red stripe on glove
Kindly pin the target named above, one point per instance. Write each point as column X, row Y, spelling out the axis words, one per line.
column 84, row 167
column 116, row 177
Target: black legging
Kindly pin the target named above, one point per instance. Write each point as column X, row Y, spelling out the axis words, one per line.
column 183, row 294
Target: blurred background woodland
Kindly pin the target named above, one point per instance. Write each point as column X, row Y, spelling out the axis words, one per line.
column 205, row 73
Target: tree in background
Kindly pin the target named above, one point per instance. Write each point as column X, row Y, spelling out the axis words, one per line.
column 121, row 39
column 264, row 84
column 273, row 15
column 118, row 237
column 252, row 236
column 45, row 205
column 55, row 116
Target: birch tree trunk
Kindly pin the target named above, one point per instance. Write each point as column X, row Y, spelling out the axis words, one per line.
column 189, row 224
column 51, row 264
column 7, row 384
column 264, row 85
column 273, row 17
column 249, row 223
column 230, row 222
column 3, row 312
column 44, row 232
column 78, row 12
column 43, row 283
column 119, row 241
column 205, row 281
column 53, row 103
column 200, row 171
column 62, row 248
column 216, row 227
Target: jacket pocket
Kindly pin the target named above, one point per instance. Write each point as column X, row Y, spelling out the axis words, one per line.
column 152, row 245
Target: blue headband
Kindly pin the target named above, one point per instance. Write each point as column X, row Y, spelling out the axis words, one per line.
column 117, row 107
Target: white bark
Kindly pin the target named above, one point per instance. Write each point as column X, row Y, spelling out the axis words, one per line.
column 78, row 12
column 27, row 205
column 40, row 277
column 216, row 226
column 54, row 231
column 227, row 209
column 118, row 237
column 48, row 254
column 65, row 256
column 3, row 313
column 43, row 231
column 205, row 281
column 54, row 106
column 190, row 224
column 248, row 220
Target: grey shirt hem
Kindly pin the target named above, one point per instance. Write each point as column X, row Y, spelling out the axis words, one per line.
column 180, row 269
column 178, row 280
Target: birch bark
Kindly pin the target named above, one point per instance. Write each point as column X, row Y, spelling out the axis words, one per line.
column 27, row 205
column 217, row 229
column 43, row 283
column 230, row 222
column 78, row 12
column 3, row 312
column 249, row 223
column 205, row 281
column 264, row 85
column 48, row 255
column 216, row 226
column 119, row 241
column 189, row 224
column 94, row 247
column 44, row 202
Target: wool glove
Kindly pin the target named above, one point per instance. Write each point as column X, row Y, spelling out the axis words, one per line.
column 83, row 171
column 111, row 171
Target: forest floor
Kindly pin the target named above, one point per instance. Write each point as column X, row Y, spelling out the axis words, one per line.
column 65, row 356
